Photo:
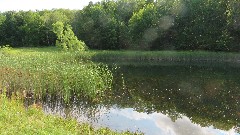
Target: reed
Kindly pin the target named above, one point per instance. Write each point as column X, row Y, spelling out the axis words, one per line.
column 52, row 72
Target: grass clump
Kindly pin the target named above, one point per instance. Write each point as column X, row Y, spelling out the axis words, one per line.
column 15, row 119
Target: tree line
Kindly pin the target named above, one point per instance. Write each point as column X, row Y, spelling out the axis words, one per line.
column 132, row 24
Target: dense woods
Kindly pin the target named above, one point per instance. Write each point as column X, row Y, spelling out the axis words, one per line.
column 132, row 24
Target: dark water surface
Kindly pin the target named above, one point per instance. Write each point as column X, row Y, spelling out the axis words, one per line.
column 166, row 99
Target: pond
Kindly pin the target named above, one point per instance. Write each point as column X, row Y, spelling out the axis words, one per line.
column 164, row 99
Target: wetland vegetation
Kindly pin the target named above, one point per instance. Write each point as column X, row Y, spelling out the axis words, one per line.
column 56, row 72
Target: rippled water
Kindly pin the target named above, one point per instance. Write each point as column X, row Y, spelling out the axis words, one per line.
column 177, row 99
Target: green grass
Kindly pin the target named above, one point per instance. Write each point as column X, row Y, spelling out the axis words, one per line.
column 15, row 119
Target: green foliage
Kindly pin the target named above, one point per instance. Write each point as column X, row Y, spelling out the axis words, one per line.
column 2, row 19
column 28, row 28
column 66, row 38
column 99, row 28
column 201, row 30
column 140, row 23
column 131, row 24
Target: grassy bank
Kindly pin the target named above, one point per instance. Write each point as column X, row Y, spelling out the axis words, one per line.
column 15, row 119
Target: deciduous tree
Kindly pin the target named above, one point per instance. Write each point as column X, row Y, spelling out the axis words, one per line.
column 66, row 38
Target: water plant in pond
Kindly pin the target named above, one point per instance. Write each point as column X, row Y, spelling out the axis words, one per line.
column 59, row 73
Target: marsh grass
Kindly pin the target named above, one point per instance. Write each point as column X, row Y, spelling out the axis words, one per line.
column 15, row 119
column 149, row 56
column 158, row 56
column 52, row 72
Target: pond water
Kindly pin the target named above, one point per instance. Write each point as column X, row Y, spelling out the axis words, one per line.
column 164, row 99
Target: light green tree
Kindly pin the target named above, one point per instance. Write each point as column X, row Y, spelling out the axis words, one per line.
column 140, row 23
column 2, row 19
column 66, row 38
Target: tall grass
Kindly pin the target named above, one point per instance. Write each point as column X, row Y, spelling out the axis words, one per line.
column 52, row 72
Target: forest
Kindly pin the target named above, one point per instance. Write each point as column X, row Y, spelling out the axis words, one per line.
column 212, row 25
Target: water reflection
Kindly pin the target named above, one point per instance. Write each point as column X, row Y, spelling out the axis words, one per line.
column 154, row 124
column 164, row 99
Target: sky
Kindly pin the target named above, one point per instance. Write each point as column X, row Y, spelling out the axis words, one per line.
column 25, row 5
